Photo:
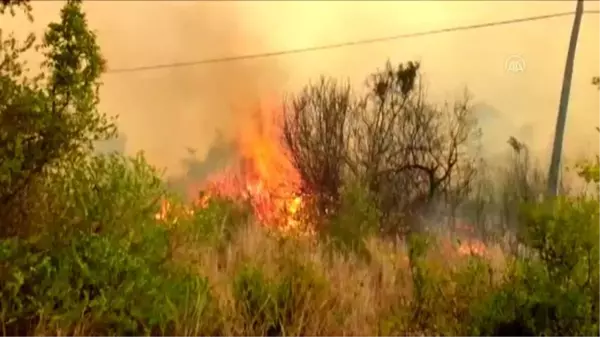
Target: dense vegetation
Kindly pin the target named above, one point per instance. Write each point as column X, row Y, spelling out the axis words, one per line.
column 81, row 251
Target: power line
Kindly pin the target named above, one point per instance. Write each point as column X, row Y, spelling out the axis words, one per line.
column 342, row 44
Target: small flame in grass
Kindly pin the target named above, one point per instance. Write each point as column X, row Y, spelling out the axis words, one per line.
column 470, row 246
column 474, row 247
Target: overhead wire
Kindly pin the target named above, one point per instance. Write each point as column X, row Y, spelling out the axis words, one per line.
column 342, row 44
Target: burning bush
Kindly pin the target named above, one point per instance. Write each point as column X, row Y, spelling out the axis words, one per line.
column 406, row 152
column 260, row 176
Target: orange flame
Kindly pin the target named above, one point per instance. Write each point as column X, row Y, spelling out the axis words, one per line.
column 470, row 246
column 263, row 175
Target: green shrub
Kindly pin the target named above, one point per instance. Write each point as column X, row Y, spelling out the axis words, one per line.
column 213, row 224
column 103, row 194
column 96, row 280
column 100, row 257
column 47, row 120
column 555, row 289
column 356, row 220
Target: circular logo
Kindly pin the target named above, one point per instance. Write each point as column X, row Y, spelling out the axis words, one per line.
column 515, row 64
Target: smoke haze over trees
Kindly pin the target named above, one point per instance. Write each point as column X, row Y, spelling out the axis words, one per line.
column 166, row 111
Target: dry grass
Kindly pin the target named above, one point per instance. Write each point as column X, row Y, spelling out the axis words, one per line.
column 361, row 296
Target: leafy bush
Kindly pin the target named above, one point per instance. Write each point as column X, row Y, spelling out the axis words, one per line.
column 356, row 220
column 96, row 281
column 50, row 118
column 555, row 289
column 109, row 194
column 108, row 265
column 213, row 224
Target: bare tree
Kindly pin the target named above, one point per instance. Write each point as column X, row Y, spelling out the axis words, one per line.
column 411, row 151
column 407, row 151
column 316, row 130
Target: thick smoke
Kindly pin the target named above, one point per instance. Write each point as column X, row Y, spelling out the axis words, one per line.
column 166, row 111
column 181, row 107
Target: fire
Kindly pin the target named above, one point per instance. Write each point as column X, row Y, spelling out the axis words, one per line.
column 164, row 210
column 262, row 176
column 470, row 246
column 474, row 247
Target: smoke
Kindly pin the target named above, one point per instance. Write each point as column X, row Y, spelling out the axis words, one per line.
column 196, row 170
column 165, row 111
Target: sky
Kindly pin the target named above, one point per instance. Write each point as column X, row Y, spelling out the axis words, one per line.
column 166, row 111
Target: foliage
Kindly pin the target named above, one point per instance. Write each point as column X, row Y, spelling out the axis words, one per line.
column 492, row 205
column 555, row 290
column 97, row 279
column 444, row 289
column 355, row 221
column 101, row 193
column 97, row 254
column 213, row 224
column 89, row 256
column 411, row 151
column 43, row 120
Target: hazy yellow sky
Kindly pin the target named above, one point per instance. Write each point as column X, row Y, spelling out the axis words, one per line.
column 165, row 111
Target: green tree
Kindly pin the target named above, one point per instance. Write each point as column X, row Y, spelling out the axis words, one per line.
column 49, row 117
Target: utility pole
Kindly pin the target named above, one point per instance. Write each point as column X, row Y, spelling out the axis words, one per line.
column 561, row 119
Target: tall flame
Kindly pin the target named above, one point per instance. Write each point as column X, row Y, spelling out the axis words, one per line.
column 262, row 176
